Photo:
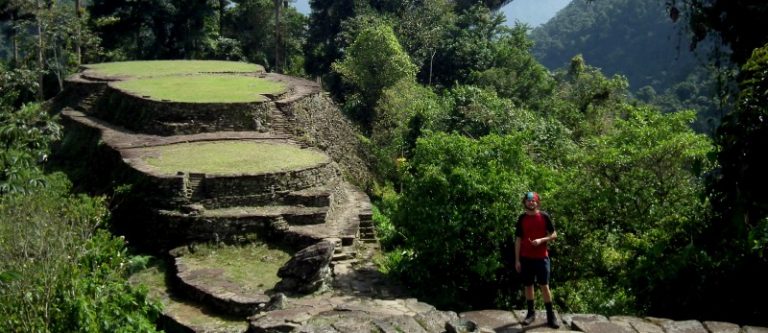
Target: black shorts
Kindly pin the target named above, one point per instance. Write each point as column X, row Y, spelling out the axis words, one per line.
column 534, row 270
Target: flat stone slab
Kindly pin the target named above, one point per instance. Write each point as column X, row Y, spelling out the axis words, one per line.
column 754, row 329
column 638, row 324
column 684, row 326
column 600, row 327
column 540, row 324
column 569, row 318
column 352, row 314
column 721, row 327
column 496, row 320
column 397, row 324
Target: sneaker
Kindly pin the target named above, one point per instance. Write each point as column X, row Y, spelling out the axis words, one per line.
column 529, row 318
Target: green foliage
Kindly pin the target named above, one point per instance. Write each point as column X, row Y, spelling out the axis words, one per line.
column 740, row 191
column 476, row 112
column 459, row 201
column 468, row 45
column 421, row 27
column 134, row 31
column 375, row 61
column 61, row 271
column 608, row 34
column 594, row 295
column 632, row 202
column 585, row 100
column 732, row 21
column 401, row 113
column 25, row 134
column 252, row 24
column 516, row 74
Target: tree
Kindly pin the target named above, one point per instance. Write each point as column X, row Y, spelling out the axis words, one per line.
column 739, row 190
column 468, row 46
column 585, row 100
column 733, row 21
column 422, row 26
column 374, row 62
column 632, row 204
column 402, row 112
column 516, row 74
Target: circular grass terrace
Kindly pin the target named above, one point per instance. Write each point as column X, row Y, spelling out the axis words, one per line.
column 253, row 267
column 202, row 88
column 138, row 69
column 230, row 157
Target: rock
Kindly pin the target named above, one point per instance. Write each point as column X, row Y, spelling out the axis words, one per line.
column 461, row 326
column 396, row 324
column 600, row 327
column 276, row 302
column 721, row 327
column 569, row 319
column 308, row 270
column 685, row 326
column 496, row 320
column 434, row 320
column 755, row 329
column 639, row 324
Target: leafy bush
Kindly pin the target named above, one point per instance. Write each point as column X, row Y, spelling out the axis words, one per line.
column 457, row 211
column 60, row 271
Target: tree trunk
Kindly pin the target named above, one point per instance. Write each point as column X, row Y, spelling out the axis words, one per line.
column 222, row 8
column 40, row 50
column 431, row 62
column 78, row 51
column 278, row 5
column 15, row 41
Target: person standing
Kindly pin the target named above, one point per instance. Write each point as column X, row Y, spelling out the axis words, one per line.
column 533, row 231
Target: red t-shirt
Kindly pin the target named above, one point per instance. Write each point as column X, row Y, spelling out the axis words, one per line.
column 530, row 227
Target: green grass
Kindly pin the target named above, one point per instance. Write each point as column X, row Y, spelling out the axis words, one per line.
column 230, row 157
column 203, row 88
column 253, row 266
column 170, row 67
column 153, row 278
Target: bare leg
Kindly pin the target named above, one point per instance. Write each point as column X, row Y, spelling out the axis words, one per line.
column 529, row 292
column 546, row 294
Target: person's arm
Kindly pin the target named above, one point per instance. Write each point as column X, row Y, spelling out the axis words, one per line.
column 551, row 232
column 518, row 237
column 517, row 254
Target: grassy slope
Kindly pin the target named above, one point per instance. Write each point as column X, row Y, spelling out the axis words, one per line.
column 169, row 67
column 253, row 266
column 203, row 88
column 228, row 157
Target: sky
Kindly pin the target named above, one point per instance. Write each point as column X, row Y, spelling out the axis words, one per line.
column 532, row 12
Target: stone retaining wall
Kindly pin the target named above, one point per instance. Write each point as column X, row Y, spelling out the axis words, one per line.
column 163, row 117
column 217, row 186
column 318, row 121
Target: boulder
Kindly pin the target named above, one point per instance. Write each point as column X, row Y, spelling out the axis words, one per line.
column 308, row 270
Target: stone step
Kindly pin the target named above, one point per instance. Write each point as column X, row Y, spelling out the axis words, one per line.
column 179, row 315
column 232, row 280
